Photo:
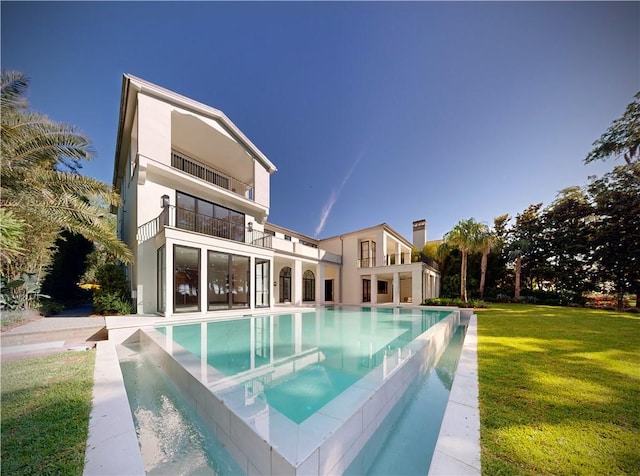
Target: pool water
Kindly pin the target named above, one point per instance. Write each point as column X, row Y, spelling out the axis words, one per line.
column 297, row 363
column 405, row 442
column 298, row 393
column 173, row 438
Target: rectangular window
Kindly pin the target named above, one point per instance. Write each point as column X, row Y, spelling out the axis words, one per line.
column 186, row 275
column 196, row 214
column 227, row 281
column 383, row 287
column 287, row 237
column 239, row 266
column 162, row 279
column 367, row 254
column 262, row 283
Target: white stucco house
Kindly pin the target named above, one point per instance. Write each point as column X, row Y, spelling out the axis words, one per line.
column 195, row 204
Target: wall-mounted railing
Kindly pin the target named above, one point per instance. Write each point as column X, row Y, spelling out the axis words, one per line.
column 211, row 175
column 185, row 219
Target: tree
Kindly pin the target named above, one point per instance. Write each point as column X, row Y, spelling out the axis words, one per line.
column 568, row 224
column 465, row 237
column 616, row 236
column 41, row 187
column 517, row 251
column 621, row 139
column 487, row 242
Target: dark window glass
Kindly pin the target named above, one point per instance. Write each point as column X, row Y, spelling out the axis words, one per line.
column 308, row 286
column 186, row 272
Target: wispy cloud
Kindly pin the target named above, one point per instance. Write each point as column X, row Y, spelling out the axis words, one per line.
column 335, row 194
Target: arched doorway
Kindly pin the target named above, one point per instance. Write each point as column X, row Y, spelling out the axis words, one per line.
column 308, row 286
column 285, row 284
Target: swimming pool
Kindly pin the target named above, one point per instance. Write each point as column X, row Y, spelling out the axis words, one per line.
column 303, row 392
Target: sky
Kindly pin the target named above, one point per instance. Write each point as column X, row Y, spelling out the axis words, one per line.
column 372, row 111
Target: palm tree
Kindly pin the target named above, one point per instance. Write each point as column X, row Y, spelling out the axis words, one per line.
column 517, row 252
column 487, row 242
column 464, row 236
column 40, row 184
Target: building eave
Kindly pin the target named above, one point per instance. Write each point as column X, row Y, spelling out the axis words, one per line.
column 199, row 108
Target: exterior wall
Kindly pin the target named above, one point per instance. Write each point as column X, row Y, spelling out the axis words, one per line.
column 154, row 134
column 156, row 127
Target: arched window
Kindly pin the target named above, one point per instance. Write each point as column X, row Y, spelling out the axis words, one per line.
column 308, row 286
column 285, row 284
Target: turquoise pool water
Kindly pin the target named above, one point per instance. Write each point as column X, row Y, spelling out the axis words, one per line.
column 173, row 438
column 297, row 363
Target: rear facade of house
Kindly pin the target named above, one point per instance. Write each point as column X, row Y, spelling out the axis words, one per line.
column 195, row 204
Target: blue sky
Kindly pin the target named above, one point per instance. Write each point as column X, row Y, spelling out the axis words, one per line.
column 372, row 112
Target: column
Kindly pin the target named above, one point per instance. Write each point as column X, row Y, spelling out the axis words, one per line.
column 320, row 283
column 252, row 283
column 296, row 284
column 416, row 286
column 396, row 288
column 203, row 285
column 374, row 289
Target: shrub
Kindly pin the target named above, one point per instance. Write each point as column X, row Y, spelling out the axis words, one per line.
column 113, row 295
column 50, row 308
column 110, row 303
column 454, row 302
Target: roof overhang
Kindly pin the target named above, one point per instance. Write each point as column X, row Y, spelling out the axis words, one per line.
column 131, row 86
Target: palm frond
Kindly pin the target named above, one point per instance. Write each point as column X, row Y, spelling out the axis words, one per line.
column 13, row 86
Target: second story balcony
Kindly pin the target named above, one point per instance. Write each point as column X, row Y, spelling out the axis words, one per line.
column 185, row 219
column 211, row 175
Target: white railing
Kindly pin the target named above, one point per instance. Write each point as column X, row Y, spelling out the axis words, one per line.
column 211, row 175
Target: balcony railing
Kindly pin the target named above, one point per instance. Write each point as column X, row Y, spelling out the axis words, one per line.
column 185, row 219
column 398, row 258
column 211, row 175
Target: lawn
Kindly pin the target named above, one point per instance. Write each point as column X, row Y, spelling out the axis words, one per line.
column 45, row 413
column 559, row 390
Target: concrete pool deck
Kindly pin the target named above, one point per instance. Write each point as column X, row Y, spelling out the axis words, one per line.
column 112, row 446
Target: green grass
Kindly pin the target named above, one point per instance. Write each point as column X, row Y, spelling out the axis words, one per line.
column 559, row 390
column 46, row 403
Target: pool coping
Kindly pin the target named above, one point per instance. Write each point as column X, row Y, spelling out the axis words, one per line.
column 457, row 450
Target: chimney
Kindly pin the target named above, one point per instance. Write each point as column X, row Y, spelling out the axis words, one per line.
column 419, row 233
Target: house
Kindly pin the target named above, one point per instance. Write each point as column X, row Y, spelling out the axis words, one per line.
column 195, row 204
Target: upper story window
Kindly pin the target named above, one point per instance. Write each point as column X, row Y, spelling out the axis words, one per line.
column 367, row 253
column 287, row 237
column 199, row 215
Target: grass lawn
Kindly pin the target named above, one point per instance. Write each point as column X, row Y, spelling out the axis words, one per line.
column 559, row 390
column 46, row 403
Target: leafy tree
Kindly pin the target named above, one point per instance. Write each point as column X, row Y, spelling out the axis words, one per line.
column 568, row 224
column 616, row 237
column 621, row 139
column 41, row 187
column 465, row 237
column 528, row 242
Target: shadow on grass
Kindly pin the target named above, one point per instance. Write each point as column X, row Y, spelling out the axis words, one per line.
column 559, row 390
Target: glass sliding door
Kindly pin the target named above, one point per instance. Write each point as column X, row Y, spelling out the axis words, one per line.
column 186, row 274
column 217, row 281
column 228, row 281
column 262, row 284
column 239, row 266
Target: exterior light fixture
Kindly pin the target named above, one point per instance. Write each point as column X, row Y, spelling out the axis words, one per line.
column 165, row 201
